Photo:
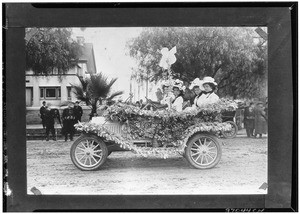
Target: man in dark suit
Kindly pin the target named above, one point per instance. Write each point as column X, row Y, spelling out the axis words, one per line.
column 249, row 116
column 42, row 113
column 69, row 120
column 50, row 116
column 77, row 111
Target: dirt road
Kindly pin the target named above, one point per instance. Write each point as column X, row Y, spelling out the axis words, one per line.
column 242, row 170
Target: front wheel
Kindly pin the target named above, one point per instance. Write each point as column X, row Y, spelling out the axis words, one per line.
column 203, row 151
column 233, row 131
column 88, row 153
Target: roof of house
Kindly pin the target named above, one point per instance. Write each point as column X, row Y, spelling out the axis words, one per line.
column 88, row 55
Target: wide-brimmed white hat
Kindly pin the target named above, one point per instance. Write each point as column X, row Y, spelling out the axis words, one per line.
column 209, row 80
column 197, row 82
column 166, row 83
column 179, row 84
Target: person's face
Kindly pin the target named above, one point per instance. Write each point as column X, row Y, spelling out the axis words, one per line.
column 207, row 87
column 44, row 104
column 76, row 104
column 197, row 90
column 176, row 91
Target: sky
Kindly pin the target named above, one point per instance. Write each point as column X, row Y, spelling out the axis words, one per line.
column 111, row 55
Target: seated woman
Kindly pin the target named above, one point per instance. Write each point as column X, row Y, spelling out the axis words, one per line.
column 208, row 96
column 178, row 89
column 204, row 90
column 197, row 87
column 168, row 97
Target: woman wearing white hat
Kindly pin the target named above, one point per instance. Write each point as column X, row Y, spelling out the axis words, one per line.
column 197, row 87
column 178, row 89
column 208, row 95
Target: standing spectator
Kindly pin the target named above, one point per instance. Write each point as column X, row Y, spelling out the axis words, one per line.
column 68, row 118
column 249, row 119
column 42, row 113
column 50, row 116
column 260, row 120
column 77, row 111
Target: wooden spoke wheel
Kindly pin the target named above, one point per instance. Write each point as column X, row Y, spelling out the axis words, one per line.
column 203, row 151
column 88, row 153
column 232, row 133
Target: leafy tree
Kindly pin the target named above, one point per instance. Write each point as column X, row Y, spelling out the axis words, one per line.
column 50, row 48
column 94, row 90
column 226, row 53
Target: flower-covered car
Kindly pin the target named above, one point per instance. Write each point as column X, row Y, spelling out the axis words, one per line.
column 152, row 133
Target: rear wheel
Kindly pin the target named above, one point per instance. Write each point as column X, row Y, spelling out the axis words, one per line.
column 88, row 153
column 232, row 133
column 203, row 151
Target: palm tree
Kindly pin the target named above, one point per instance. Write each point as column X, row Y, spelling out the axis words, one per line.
column 94, row 90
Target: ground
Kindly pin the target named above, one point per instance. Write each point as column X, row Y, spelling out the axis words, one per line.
column 242, row 170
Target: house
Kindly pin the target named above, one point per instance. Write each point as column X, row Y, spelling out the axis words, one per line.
column 56, row 88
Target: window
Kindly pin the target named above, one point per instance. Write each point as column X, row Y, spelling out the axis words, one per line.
column 29, row 96
column 52, row 93
column 41, row 92
column 69, row 89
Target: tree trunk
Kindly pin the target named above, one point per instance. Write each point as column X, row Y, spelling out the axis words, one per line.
column 94, row 110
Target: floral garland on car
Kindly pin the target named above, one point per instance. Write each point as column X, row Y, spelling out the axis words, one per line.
column 167, row 127
column 163, row 152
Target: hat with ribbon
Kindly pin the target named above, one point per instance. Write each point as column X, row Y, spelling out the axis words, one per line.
column 179, row 84
column 166, row 83
column 197, row 82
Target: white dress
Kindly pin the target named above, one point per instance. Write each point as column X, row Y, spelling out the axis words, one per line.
column 196, row 103
column 203, row 100
column 177, row 104
column 206, row 99
column 167, row 99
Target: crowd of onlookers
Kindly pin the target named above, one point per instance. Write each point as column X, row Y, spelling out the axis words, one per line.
column 256, row 119
column 70, row 116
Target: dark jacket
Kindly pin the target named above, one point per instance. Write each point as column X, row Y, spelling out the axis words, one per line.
column 260, row 121
column 50, row 116
column 43, row 111
column 78, row 112
column 249, row 118
column 68, row 114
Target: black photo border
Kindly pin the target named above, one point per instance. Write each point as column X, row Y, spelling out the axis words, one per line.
column 281, row 18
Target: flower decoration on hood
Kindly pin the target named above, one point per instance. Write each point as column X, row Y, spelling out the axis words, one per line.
column 168, row 57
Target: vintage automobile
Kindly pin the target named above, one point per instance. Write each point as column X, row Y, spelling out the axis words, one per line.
column 147, row 133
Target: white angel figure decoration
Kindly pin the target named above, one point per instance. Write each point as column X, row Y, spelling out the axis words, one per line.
column 168, row 57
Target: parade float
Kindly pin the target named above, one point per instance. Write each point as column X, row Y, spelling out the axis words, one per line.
column 162, row 133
